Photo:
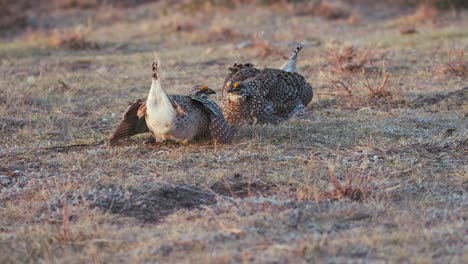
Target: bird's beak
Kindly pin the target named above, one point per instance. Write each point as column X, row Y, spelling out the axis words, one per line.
column 209, row 91
column 234, row 87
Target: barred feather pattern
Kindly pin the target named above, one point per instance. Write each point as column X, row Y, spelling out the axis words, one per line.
column 269, row 96
column 220, row 130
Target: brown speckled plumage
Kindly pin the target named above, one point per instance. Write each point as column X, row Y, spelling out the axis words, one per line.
column 251, row 95
column 182, row 119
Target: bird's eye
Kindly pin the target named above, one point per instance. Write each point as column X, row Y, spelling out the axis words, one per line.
column 237, row 84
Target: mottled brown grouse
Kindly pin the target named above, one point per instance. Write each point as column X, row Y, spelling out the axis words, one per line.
column 174, row 117
column 252, row 95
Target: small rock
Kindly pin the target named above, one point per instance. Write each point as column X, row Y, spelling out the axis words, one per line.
column 5, row 180
column 102, row 70
column 91, row 152
column 30, row 79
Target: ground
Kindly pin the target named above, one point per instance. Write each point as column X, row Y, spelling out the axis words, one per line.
column 375, row 170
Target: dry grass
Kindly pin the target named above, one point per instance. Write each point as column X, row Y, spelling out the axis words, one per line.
column 355, row 85
column 378, row 90
column 457, row 66
column 331, row 10
column 359, row 178
column 71, row 39
column 263, row 47
column 357, row 187
column 349, row 58
column 426, row 12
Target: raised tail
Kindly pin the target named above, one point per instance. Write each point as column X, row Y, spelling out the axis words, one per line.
column 290, row 65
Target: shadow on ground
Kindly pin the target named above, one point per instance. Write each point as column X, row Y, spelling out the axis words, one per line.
column 149, row 204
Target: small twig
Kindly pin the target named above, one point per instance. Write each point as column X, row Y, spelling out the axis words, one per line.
column 66, row 147
column 379, row 91
column 384, row 83
column 326, row 94
column 228, row 187
column 249, row 184
column 343, row 86
column 368, row 86
column 191, row 190
column 333, row 179
column 232, row 230
column 64, row 85
column 65, row 228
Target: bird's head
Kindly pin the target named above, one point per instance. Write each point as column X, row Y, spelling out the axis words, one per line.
column 236, row 90
column 199, row 90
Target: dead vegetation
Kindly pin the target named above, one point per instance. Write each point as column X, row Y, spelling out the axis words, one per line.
column 426, row 12
column 331, row 10
column 457, row 66
column 264, row 47
column 341, row 182
column 378, row 90
column 357, row 187
column 11, row 16
column 349, row 58
column 361, row 90
column 74, row 39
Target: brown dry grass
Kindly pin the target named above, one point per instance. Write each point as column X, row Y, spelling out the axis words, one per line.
column 361, row 178
column 457, row 66
column 349, row 58
column 70, row 39
column 327, row 9
column 426, row 12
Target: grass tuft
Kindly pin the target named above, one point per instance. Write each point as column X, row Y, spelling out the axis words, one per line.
column 457, row 66
column 426, row 12
column 74, row 39
column 349, row 58
column 326, row 9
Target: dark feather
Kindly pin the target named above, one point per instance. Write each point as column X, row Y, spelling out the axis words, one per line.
column 131, row 124
column 220, row 130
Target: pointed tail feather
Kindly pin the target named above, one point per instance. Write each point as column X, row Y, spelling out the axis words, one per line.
column 290, row 65
column 220, row 130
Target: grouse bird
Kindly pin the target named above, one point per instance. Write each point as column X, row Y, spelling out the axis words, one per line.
column 252, row 95
column 177, row 118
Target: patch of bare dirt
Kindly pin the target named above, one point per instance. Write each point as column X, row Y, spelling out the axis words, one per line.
column 241, row 186
column 146, row 203
column 456, row 100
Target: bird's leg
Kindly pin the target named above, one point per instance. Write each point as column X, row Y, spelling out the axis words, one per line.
column 150, row 141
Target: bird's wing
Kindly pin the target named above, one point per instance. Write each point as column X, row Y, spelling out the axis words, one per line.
column 283, row 90
column 220, row 130
column 131, row 124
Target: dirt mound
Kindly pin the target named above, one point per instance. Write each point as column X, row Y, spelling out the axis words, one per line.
column 457, row 100
column 145, row 203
